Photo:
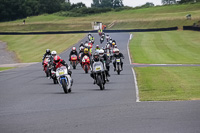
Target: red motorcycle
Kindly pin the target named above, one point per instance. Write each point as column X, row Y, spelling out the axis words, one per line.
column 46, row 66
column 74, row 61
column 86, row 63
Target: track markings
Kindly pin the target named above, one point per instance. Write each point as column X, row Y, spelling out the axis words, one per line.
column 134, row 75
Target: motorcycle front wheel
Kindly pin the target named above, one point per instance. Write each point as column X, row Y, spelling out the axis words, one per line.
column 64, row 85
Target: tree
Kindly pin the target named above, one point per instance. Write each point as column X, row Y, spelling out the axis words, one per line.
column 168, row 2
column 107, row 3
column 148, row 4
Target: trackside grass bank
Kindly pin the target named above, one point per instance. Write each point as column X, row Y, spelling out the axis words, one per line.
column 30, row 48
column 5, row 68
column 171, row 47
column 168, row 83
column 144, row 18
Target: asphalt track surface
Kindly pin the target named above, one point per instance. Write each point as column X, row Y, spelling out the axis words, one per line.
column 29, row 102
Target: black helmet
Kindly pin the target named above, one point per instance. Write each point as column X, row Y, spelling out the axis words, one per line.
column 96, row 56
column 48, row 51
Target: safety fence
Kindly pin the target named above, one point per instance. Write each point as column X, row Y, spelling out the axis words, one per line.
column 92, row 31
column 191, row 28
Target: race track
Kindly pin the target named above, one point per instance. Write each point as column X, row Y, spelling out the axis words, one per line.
column 30, row 103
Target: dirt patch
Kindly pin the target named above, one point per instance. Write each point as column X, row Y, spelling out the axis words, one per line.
column 7, row 57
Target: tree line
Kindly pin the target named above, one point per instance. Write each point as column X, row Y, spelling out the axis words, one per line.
column 17, row 9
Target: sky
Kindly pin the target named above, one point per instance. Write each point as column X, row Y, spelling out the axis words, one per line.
column 132, row 3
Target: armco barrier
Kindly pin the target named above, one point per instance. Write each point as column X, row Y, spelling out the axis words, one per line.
column 191, row 28
column 92, row 31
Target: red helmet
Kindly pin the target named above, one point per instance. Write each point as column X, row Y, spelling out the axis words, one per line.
column 97, row 46
column 73, row 49
column 56, row 58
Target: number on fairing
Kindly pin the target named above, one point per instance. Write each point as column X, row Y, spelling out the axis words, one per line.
column 98, row 68
column 61, row 73
column 118, row 60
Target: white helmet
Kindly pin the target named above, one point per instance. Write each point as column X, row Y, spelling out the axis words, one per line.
column 101, row 52
column 53, row 53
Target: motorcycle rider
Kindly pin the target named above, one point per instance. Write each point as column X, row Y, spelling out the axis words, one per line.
column 58, row 62
column 115, row 48
column 117, row 54
column 96, row 58
column 73, row 52
column 85, row 53
column 107, row 37
column 53, row 53
column 97, row 47
column 47, row 55
column 113, row 43
column 82, row 44
column 104, row 57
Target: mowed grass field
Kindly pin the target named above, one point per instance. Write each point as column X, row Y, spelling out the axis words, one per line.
column 168, row 83
column 30, row 48
column 154, row 17
column 171, row 47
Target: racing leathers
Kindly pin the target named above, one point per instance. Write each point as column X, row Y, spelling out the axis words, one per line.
column 120, row 55
column 73, row 53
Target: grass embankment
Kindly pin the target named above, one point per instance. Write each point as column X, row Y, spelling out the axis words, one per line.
column 5, row 68
column 171, row 47
column 167, row 83
column 154, row 17
column 30, row 48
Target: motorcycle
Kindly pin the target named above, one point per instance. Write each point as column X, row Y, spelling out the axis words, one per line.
column 86, row 63
column 99, row 74
column 46, row 66
column 53, row 76
column 74, row 61
column 64, row 79
column 118, row 65
column 101, row 40
column 80, row 57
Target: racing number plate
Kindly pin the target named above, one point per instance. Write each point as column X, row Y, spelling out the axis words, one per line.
column 61, row 73
column 118, row 60
column 98, row 68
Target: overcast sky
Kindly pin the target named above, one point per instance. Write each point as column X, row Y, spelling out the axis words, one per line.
column 132, row 3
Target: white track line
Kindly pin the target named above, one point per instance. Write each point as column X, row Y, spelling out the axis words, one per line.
column 134, row 75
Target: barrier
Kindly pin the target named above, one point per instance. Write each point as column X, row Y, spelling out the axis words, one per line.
column 191, row 28
column 92, row 31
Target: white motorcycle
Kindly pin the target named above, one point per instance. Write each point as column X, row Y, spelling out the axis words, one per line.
column 99, row 74
column 64, row 79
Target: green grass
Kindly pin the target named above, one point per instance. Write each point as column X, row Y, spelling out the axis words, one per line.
column 30, row 48
column 168, row 83
column 171, row 47
column 5, row 68
column 154, row 17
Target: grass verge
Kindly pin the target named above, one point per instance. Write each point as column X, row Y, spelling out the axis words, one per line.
column 30, row 48
column 153, row 17
column 5, row 68
column 168, row 83
column 171, row 47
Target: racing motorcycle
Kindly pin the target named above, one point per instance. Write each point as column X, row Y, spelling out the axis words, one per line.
column 99, row 74
column 118, row 65
column 74, row 61
column 86, row 63
column 101, row 40
column 64, row 79
column 46, row 66
column 53, row 76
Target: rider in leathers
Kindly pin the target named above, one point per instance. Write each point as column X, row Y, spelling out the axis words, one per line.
column 104, row 57
column 58, row 62
column 96, row 58
column 73, row 52
column 47, row 54
column 117, row 54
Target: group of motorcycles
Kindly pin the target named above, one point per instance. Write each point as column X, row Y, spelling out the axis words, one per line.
column 99, row 70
